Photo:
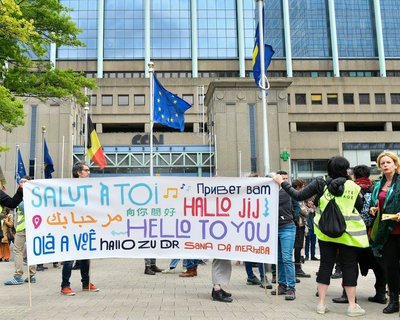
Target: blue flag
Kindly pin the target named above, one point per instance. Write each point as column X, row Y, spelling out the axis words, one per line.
column 20, row 167
column 48, row 162
column 168, row 108
column 268, row 53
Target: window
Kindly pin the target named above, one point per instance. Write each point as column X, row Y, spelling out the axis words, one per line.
column 364, row 98
column 288, row 98
column 395, row 98
column 348, row 98
column 139, row 100
column 188, row 98
column 106, row 100
column 316, row 98
column 123, row 100
column 380, row 98
column 300, row 98
column 93, row 100
column 332, row 98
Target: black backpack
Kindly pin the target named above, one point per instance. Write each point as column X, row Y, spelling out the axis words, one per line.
column 332, row 222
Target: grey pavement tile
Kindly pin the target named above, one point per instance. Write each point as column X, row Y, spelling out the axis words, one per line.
column 161, row 296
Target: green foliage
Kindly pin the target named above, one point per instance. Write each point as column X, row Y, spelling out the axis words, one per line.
column 30, row 26
column 12, row 111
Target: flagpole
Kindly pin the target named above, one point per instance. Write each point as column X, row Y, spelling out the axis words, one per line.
column 62, row 157
column 43, row 137
column 34, row 168
column 264, row 98
column 16, row 164
column 86, row 109
column 72, row 151
column 151, row 76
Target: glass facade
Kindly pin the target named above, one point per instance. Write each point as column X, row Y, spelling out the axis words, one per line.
column 309, row 29
column 171, row 38
column 170, row 29
column 274, row 34
column 355, row 25
column 85, row 16
column 123, row 29
column 217, row 29
column 250, row 19
column 390, row 27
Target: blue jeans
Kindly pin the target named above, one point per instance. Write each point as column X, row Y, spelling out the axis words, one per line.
column 174, row 263
column 67, row 269
column 191, row 263
column 286, row 273
column 311, row 241
column 249, row 269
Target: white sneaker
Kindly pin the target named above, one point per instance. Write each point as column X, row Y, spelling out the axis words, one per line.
column 321, row 309
column 355, row 311
column 169, row 271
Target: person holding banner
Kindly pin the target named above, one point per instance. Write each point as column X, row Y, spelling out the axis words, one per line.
column 221, row 271
column 19, row 248
column 12, row 203
column 286, row 238
column 337, row 185
column 79, row 170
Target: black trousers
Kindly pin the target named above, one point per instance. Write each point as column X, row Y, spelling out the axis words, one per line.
column 391, row 258
column 347, row 256
column 298, row 243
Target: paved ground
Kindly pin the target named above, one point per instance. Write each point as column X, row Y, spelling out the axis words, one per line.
column 126, row 293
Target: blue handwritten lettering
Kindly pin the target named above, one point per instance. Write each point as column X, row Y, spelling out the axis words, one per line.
column 104, row 195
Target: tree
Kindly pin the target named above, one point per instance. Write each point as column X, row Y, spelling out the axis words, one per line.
column 27, row 28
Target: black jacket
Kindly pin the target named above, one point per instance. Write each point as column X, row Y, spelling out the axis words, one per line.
column 7, row 201
column 285, row 209
column 316, row 187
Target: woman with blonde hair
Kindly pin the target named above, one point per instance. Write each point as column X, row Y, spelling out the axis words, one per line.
column 385, row 235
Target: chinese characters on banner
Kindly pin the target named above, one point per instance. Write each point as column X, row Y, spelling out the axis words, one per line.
column 158, row 217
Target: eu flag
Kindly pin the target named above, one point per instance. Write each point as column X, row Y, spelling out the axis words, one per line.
column 20, row 167
column 168, row 108
column 48, row 162
column 268, row 53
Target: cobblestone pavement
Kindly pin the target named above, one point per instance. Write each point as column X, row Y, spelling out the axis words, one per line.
column 126, row 293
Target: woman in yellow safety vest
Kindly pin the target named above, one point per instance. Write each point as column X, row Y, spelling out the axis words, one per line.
column 339, row 185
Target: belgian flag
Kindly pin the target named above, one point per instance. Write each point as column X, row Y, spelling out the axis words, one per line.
column 94, row 150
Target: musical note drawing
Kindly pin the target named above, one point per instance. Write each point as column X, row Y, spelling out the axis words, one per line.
column 173, row 191
column 188, row 188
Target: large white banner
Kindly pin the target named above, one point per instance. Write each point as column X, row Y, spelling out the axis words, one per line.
column 151, row 217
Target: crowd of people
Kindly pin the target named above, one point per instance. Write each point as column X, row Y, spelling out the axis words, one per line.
column 371, row 239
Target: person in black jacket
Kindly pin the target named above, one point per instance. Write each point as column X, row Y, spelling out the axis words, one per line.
column 286, row 237
column 336, row 185
column 7, row 201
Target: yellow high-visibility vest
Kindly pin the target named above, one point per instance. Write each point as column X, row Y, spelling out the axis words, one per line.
column 356, row 232
column 20, row 221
